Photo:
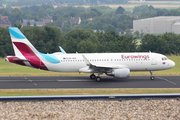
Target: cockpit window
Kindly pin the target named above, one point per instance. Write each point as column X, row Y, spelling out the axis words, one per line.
column 164, row 58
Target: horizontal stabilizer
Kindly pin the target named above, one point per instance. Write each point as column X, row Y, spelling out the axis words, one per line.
column 20, row 60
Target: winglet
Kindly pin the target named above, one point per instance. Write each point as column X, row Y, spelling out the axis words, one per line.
column 86, row 61
column 62, row 50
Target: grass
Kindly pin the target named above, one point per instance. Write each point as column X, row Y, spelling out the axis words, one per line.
column 42, row 92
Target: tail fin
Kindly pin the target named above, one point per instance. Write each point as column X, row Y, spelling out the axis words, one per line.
column 22, row 46
column 25, row 53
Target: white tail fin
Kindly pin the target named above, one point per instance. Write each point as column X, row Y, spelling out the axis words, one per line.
column 21, row 44
column 25, row 53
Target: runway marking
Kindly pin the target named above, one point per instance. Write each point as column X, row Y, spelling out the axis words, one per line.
column 167, row 80
column 45, row 80
column 35, row 84
column 25, row 80
column 30, row 80
column 74, row 80
column 13, row 80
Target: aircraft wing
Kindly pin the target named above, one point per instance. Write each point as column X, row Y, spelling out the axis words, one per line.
column 100, row 67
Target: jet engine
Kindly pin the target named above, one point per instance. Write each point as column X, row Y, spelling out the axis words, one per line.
column 120, row 73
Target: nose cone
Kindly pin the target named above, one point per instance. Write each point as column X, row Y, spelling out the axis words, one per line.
column 172, row 64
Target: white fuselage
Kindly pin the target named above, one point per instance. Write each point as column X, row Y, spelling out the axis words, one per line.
column 134, row 61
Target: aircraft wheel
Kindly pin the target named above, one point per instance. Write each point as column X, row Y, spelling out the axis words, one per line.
column 98, row 79
column 152, row 78
column 92, row 76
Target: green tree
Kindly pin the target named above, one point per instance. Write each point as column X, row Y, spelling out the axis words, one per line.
column 137, row 34
column 28, row 23
column 120, row 10
column 5, row 12
column 86, row 46
column 173, row 42
column 16, row 15
column 96, row 11
column 46, row 39
column 41, row 13
column 173, row 12
column 155, row 44
column 75, row 36
column 70, row 45
column 123, row 26
column 5, row 43
column 110, row 28
column 128, row 32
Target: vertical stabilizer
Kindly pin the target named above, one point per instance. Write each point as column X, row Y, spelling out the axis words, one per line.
column 21, row 44
column 25, row 53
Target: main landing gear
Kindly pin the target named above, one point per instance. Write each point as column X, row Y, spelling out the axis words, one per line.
column 152, row 77
column 98, row 79
column 92, row 76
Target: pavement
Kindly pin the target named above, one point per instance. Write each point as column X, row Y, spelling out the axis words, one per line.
column 70, row 82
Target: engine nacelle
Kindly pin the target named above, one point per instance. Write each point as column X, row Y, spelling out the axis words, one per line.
column 120, row 73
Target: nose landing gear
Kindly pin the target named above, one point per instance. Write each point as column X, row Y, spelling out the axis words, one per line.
column 152, row 77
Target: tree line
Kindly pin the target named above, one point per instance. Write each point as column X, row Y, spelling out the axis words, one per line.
column 61, row 2
column 47, row 39
column 103, row 18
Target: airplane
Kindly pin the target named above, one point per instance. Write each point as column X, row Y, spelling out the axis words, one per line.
column 117, row 65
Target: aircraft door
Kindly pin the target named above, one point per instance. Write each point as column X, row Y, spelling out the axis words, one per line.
column 153, row 59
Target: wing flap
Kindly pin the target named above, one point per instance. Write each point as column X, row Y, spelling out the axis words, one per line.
column 111, row 66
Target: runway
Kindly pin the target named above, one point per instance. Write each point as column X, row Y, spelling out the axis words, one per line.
column 59, row 82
